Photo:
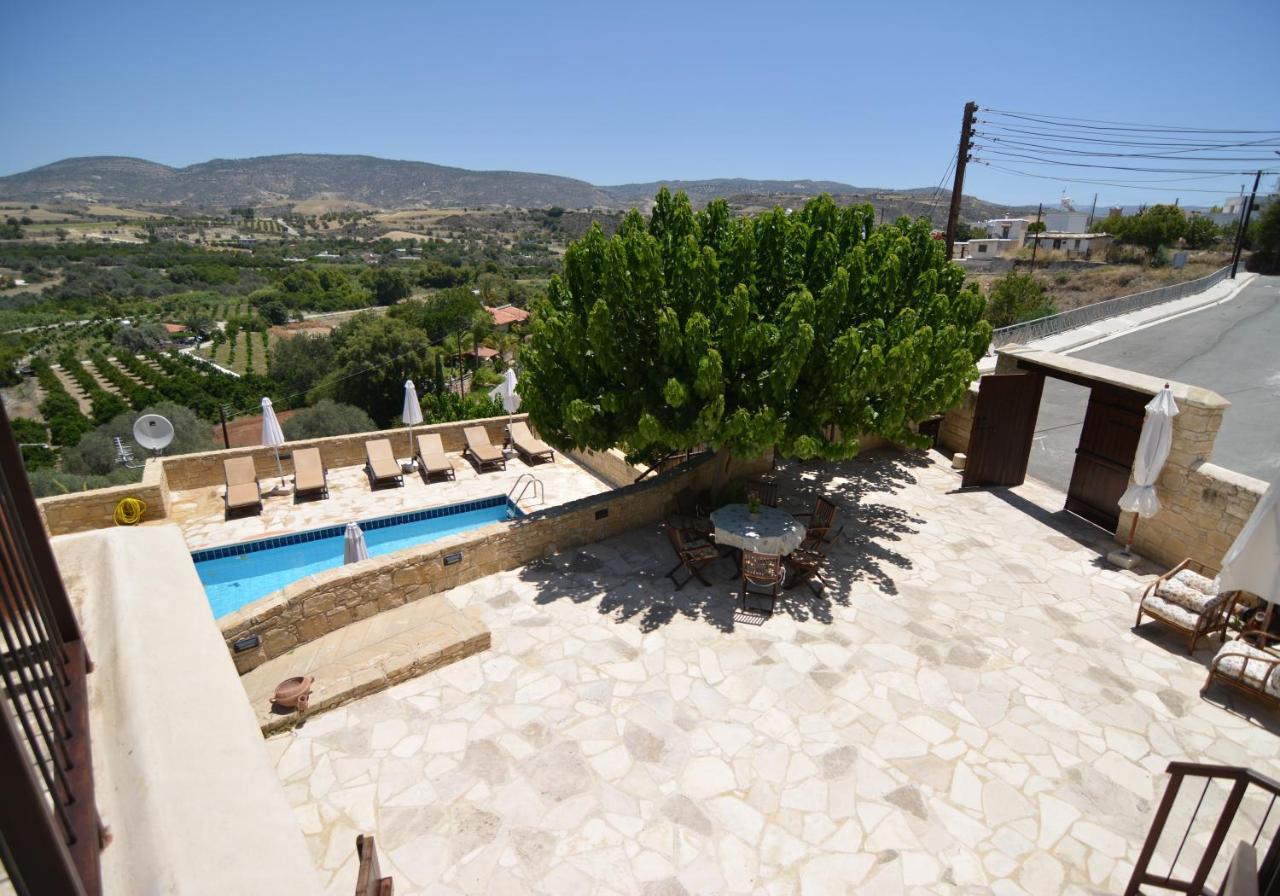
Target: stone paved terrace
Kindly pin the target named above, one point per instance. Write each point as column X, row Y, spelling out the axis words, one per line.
column 199, row 511
column 969, row 712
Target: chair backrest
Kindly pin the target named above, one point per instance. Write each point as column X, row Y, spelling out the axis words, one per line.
column 306, row 462
column 687, row 502
column 763, row 569
column 764, row 492
column 239, row 470
column 477, row 437
column 673, row 535
column 429, row 443
column 379, row 450
column 824, row 514
column 520, row 432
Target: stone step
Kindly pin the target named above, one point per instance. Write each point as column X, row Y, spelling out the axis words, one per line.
column 367, row 656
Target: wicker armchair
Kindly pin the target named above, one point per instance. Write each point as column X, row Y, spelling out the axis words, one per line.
column 1250, row 663
column 1186, row 598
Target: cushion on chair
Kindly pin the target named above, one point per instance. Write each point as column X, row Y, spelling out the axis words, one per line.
column 702, row 552
column 1196, row 581
column 1177, row 591
column 1170, row 612
column 1231, row 659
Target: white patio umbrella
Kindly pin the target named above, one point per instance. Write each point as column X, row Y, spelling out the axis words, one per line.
column 1154, row 442
column 354, row 548
column 411, row 415
column 272, row 434
column 1253, row 563
column 506, row 392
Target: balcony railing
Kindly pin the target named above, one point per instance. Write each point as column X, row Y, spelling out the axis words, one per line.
column 50, row 835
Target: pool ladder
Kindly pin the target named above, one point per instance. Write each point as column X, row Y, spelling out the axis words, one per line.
column 524, row 483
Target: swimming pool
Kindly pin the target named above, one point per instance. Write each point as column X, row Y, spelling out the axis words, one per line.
column 239, row 574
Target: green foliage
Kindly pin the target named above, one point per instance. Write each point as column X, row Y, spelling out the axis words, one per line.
column 745, row 333
column 1036, row 227
column 1015, row 298
column 28, row 431
column 1160, row 225
column 1201, row 233
column 448, row 406
column 297, row 364
column 374, row 354
column 1264, row 239
column 448, row 312
column 95, row 453
column 143, row 337
column 327, row 418
column 388, row 285
column 59, row 409
column 47, row 482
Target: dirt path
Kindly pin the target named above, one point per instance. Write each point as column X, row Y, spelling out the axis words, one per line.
column 102, row 381
column 86, row 406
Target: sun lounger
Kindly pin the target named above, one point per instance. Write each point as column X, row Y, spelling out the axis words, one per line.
column 242, row 491
column 431, row 457
column 481, row 451
column 529, row 447
column 380, row 464
column 310, row 476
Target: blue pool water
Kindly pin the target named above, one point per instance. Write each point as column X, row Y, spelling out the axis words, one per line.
column 239, row 574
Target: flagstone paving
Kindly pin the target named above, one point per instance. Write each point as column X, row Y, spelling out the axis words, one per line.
column 965, row 710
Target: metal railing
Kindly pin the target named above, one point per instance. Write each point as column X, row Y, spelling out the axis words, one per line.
column 1243, row 784
column 1088, row 314
column 49, row 828
column 524, row 483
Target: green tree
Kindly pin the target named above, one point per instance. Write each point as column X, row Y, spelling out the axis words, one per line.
column 1036, row 227
column 746, row 333
column 1201, row 233
column 1015, row 298
column 298, row 363
column 374, row 355
column 95, row 453
column 140, row 338
column 388, row 285
column 327, row 418
column 1160, row 225
column 1264, row 239
column 448, row 312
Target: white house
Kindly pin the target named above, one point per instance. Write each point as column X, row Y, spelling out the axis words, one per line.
column 1066, row 221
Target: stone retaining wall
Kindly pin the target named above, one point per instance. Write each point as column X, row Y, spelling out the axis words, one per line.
column 82, row 511
column 608, row 466
column 322, row 603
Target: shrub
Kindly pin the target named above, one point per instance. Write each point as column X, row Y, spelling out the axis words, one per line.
column 327, row 418
column 1015, row 298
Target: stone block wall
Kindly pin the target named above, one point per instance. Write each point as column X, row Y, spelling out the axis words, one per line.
column 957, row 423
column 319, row 604
column 608, row 466
column 82, row 511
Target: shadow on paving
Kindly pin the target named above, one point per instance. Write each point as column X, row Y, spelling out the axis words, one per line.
column 626, row 576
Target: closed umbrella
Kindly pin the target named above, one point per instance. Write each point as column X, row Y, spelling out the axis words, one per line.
column 506, row 393
column 354, row 548
column 1154, row 442
column 1253, row 563
column 412, row 414
column 272, row 434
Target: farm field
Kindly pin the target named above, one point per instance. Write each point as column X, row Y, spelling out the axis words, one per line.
column 247, row 353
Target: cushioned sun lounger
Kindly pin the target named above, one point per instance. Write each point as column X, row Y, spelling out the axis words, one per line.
column 431, row 457
column 481, row 451
column 380, row 464
column 310, row 477
column 242, row 491
column 530, row 448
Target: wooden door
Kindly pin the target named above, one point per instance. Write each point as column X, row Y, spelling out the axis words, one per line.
column 1003, row 424
column 1104, row 457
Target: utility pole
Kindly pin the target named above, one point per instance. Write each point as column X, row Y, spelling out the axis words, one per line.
column 1244, row 224
column 1036, row 245
column 1093, row 208
column 957, row 188
column 222, row 412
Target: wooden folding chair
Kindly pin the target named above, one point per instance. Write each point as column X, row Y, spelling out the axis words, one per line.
column 692, row 557
column 761, row 577
column 764, row 492
column 818, row 531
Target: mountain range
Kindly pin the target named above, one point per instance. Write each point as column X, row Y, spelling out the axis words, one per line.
column 391, row 184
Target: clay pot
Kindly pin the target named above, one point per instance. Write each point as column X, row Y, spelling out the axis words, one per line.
column 293, row 693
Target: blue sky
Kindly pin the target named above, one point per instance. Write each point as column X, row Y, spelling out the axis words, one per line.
column 869, row 94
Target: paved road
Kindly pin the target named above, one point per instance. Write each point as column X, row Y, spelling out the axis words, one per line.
column 1233, row 349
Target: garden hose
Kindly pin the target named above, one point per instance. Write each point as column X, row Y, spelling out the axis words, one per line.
column 129, row 511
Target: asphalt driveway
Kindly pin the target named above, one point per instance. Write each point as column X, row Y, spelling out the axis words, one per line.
column 1233, row 349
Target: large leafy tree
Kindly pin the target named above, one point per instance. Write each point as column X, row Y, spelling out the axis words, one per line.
column 373, row 356
column 798, row 330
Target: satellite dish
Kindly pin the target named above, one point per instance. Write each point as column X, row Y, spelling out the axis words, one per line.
column 153, row 432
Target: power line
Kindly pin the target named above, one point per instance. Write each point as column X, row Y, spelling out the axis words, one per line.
column 1143, row 185
column 1073, row 137
column 1094, row 153
column 1105, row 125
column 1038, row 160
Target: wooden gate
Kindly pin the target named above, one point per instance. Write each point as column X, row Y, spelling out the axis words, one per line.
column 1104, row 457
column 1003, row 423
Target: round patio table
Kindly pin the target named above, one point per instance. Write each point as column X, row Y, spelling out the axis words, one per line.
column 773, row 531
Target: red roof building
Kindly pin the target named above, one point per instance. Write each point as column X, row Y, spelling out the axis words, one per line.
column 506, row 315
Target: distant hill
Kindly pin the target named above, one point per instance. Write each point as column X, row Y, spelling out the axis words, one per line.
column 269, row 180
column 392, row 184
